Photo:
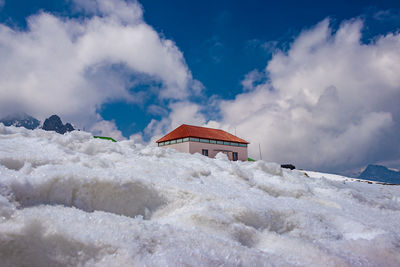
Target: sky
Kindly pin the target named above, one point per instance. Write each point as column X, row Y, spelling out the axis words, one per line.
column 310, row 83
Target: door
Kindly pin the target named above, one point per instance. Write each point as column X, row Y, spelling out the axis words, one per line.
column 235, row 156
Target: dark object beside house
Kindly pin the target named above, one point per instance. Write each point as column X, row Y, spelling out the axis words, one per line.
column 288, row 166
column 54, row 123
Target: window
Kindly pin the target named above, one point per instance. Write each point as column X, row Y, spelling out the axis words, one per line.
column 166, row 142
column 243, row 145
column 204, row 141
column 213, row 141
column 194, row 139
column 227, row 143
column 185, row 139
column 173, row 141
column 179, row 140
column 234, row 144
column 204, row 152
column 220, row 142
column 235, row 156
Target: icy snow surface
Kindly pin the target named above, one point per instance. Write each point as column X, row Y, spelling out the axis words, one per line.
column 72, row 200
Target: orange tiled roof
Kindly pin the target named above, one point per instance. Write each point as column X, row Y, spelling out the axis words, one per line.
column 200, row 132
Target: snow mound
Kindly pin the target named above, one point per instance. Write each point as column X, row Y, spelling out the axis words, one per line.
column 72, row 200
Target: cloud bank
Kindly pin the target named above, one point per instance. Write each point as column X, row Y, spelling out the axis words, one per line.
column 330, row 102
column 71, row 66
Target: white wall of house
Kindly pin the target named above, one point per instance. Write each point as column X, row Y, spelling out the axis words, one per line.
column 181, row 147
column 213, row 149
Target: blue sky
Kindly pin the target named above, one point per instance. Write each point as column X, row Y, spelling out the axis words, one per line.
column 228, row 53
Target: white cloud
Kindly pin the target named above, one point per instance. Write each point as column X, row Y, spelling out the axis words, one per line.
column 387, row 15
column 183, row 112
column 251, row 78
column 71, row 66
column 127, row 12
column 157, row 110
column 329, row 102
column 108, row 129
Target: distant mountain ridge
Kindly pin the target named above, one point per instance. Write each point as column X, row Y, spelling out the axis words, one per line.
column 381, row 174
column 54, row 123
column 21, row 120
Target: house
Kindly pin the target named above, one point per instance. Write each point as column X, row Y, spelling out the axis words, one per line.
column 206, row 141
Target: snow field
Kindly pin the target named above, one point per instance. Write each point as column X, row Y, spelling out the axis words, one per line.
column 74, row 200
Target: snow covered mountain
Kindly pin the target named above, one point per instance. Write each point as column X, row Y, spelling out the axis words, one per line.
column 72, row 200
column 380, row 173
column 21, row 120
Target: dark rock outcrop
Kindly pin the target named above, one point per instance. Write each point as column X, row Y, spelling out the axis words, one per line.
column 54, row 123
column 21, row 120
column 69, row 127
column 380, row 174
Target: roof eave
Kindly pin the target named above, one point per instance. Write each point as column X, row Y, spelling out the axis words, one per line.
column 160, row 140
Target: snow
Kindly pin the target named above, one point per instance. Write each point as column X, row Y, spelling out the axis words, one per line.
column 337, row 177
column 75, row 200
